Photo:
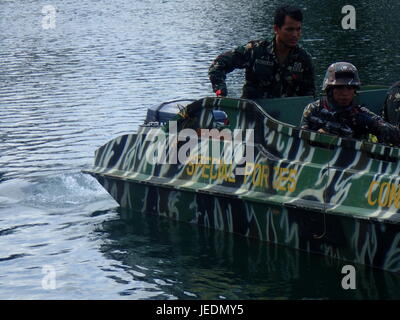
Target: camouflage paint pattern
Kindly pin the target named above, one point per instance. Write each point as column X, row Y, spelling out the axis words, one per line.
column 319, row 193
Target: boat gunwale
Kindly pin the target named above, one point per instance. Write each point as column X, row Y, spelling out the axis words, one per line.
column 378, row 149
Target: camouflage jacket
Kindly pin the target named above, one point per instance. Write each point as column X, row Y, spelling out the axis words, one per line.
column 354, row 121
column 391, row 107
column 265, row 76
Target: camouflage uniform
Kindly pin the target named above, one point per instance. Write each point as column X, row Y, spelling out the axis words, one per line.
column 354, row 121
column 391, row 107
column 265, row 76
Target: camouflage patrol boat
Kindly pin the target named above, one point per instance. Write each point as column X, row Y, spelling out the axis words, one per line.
column 334, row 196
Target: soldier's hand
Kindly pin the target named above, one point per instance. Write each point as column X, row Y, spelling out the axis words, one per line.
column 322, row 131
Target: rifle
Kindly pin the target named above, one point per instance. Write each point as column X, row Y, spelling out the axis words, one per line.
column 331, row 123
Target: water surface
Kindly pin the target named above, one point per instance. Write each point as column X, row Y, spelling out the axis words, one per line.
column 66, row 91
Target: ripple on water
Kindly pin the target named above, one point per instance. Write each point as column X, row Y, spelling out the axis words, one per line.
column 64, row 92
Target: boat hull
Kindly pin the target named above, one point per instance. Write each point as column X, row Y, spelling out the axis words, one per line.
column 320, row 193
column 353, row 240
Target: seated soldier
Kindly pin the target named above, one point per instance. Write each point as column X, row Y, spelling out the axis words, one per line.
column 391, row 107
column 337, row 113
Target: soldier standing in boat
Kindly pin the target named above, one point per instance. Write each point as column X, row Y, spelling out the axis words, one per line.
column 277, row 68
column 338, row 113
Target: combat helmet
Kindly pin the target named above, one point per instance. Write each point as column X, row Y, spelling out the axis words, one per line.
column 339, row 74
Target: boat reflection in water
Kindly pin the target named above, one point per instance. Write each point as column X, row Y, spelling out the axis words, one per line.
column 165, row 259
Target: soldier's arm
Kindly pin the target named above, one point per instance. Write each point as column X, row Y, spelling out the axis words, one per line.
column 385, row 132
column 369, row 120
column 308, row 116
column 307, row 85
column 237, row 58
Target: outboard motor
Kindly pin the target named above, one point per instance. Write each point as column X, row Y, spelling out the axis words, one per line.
column 168, row 110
